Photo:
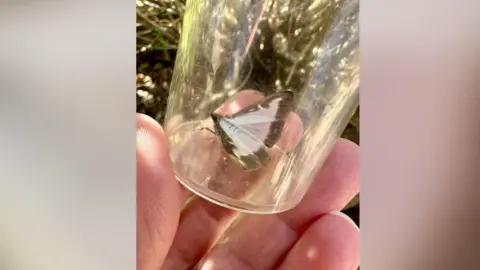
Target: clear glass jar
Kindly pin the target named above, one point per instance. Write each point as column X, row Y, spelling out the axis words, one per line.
column 235, row 54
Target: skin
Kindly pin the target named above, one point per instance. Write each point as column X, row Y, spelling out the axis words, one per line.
column 313, row 235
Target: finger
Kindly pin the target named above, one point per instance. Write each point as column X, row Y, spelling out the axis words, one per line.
column 201, row 223
column 259, row 241
column 158, row 203
column 292, row 133
column 335, row 185
column 239, row 101
column 330, row 243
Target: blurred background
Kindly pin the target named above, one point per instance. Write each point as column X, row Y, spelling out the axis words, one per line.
column 159, row 26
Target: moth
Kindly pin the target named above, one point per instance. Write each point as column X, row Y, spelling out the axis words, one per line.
column 247, row 134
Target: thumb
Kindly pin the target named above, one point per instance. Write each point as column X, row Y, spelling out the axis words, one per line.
column 158, row 195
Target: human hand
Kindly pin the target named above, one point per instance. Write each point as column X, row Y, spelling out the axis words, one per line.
column 313, row 235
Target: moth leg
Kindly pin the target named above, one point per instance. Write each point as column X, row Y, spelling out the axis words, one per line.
column 208, row 129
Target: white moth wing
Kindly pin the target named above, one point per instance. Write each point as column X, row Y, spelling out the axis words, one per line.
column 246, row 149
column 264, row 121
column 245, row 143
column 248, row 133
column 258, row 113
column 257, row 129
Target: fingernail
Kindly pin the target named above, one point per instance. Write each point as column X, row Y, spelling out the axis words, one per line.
column 347, row 218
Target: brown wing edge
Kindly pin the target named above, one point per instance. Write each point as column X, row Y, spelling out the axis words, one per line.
column 276, row 127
